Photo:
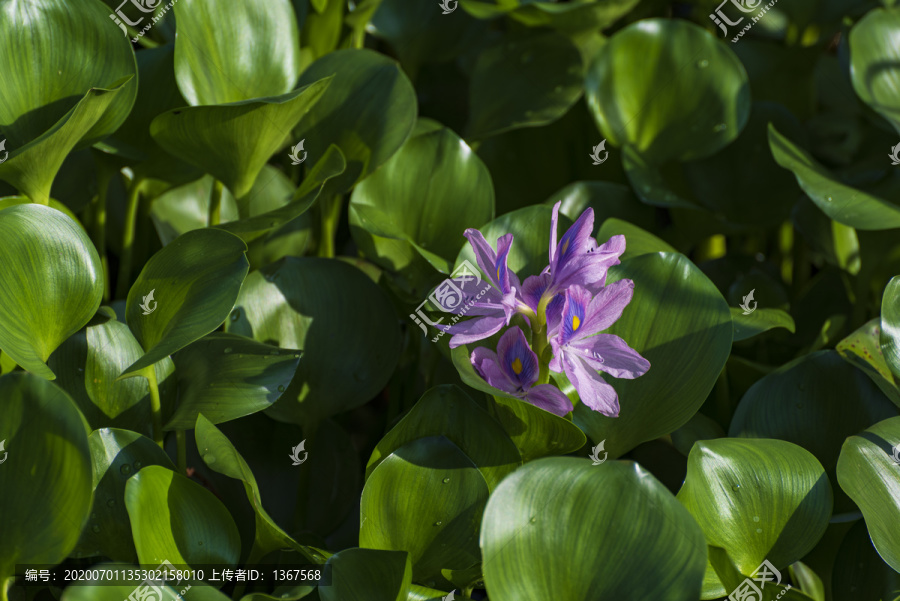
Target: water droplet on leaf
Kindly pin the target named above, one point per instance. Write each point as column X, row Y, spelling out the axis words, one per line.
column 446, row 480
column 720, row 127
column 95, row 528
column 280, row 388
column 703, row 63
column 125, row 469
column 228, row 350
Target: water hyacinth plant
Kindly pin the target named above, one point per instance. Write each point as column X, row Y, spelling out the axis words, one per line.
column 476, row 300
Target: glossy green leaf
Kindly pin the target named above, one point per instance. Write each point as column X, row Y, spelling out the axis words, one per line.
column 669, row 89
column 194, row 282
column 428, row 193
column 174, row 518
column 434, row 516
column 757, row 499
column 233, row 142
column 448, row 411
column 87, row 365
column 637, row 241
column 536, row 433
column 869, row 473
column 727, row 572
column 652, row 183
column 50, row 285
column 250, row 50
column 759, row 321
column 221, row 456
column 225, row 376
column 64, row 85
column 333, row 308
column 863, row 350
column 890, row 325
column 116, row 455
column 369, row 111
column 659, row 551
column 573, row 17
column 368, row 573
column 816, row 402
column 524, row 83
column 873, row 62
column 840, row 202
column 859, row 572
column 45, row 474
column 680, row 323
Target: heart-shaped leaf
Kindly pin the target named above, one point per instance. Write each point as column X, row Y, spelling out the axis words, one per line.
column 329, row 306
column 45, row 475
column 873, row 61
column 757, row 499
column 890, row 325
column 863, row 350
column 251, row 50
column 680, row 323
column 759, row 321
column 361, row 573
column 573, row 17
column 868, row 470
column 176, row 519
column 427, row 194
column 859, row 572
column 435, row 517
column 368, row 112
column 659, row 551
column 669, row 89
column 50, row 286
column 185, row 291
column 116, row 455
column 448, row 411
column 232, row 142
column 524, row 83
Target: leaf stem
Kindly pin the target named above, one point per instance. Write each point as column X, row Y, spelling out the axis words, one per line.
column 4, row 589
column 104, row 177
column 330, row 214
column 539, row 339
column 181, row 439
column 155, row 404
column 131, row 212
column 215, row 203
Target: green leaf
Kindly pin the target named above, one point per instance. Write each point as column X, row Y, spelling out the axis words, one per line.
column 868, row 473
column 669, row 89
column 659, row 552
column 890, row 325
column 536, row 433
column 50, row 54
column 335, row 311
column 637, row 241
column 777, row 496
column 46, row 473
column 50, row 286
column 840, row 202
column 368, row 573
column 873, row 62
column 680, row 323
column 251, row 50
column 225, row 376
column 574, row 17
column 179, row 520
column 116, row 455
column 759, row 321
column 233, row 142
column 427, row 194
column 523, row 82
column 859, row 573
column 87, row 365
column 369, row 111
column 220, row 455
column 816, row 402
column 448, row 411
column 727, row 571
column 838, row 242
column 863, row 350
column 195, row 281
column 434, row 516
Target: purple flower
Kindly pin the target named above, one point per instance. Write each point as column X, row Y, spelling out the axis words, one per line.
column 580, row 350
column 514, row 369
column 495, row 309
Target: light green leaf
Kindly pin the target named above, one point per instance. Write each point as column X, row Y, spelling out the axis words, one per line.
column 361, row 573
column 874, row 55
column 759, row 321
column 863, row 350
column 890, row 325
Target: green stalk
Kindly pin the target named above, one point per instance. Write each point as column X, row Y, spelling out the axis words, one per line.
column 215, row 203
column 181, row 439
column 155, row 404
column 131, row 212
column 539, row 339
column 329, row 214
column 104, row 177
column 4, row 589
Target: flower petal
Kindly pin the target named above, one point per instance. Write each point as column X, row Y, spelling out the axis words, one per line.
column 516, row 358
column 533, row 288
column 589, row 267
column 606, row 307
column 549, row 398
column 592, row 388
column 611, row 354
column 575, row 242
column 577, row 300
column 475, row 329
column 488, row 367
column 554, row 223
column 484, row 254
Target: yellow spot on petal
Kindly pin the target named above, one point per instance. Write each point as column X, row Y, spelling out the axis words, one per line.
column 517, row 366
column 575, row 322
column 498, row 274
column 565, row 246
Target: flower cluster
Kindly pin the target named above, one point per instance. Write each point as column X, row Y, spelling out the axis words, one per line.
column 567, row 307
